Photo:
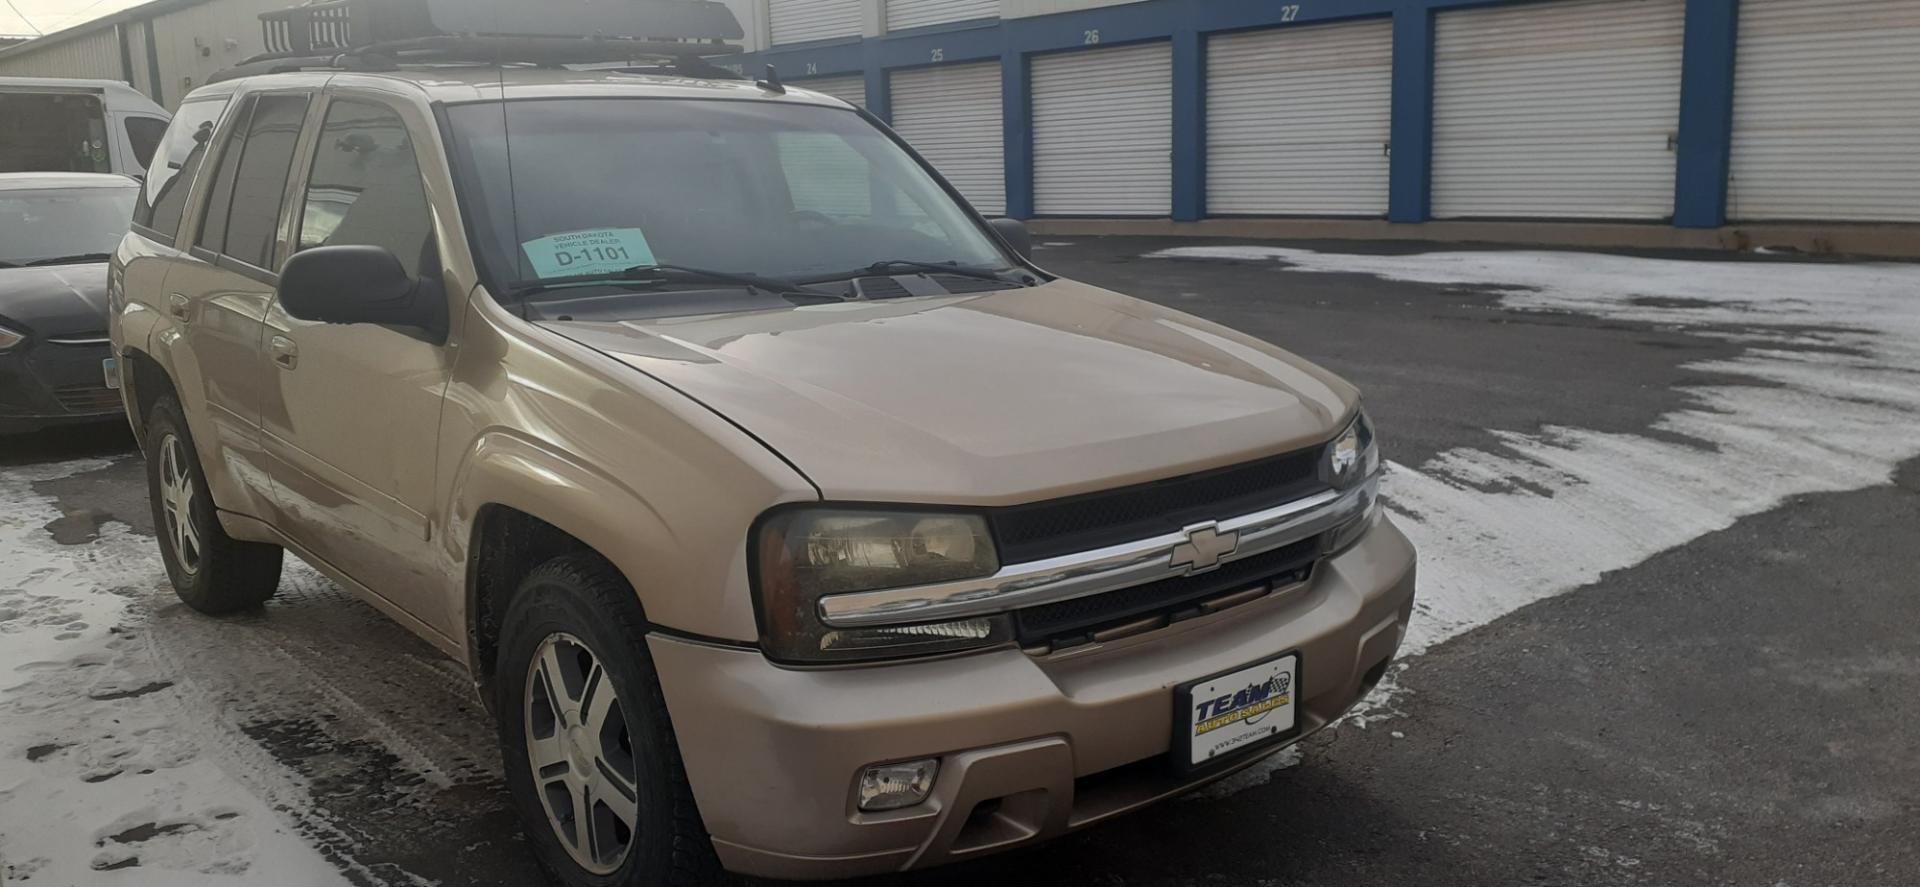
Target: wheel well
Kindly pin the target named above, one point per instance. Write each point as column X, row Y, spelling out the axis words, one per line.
column 150, row 383
column 507, row 545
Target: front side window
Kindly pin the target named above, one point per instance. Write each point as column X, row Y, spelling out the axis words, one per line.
column 243, row 212
column 62, row 226
column 576, row 187
column 366, row 189
column 170, row 176
column 143, row 136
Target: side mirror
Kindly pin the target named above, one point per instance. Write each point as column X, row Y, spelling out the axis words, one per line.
column 359, row 284
column 1015, row 233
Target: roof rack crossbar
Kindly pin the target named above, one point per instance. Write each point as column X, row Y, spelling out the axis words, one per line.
column 382, row 34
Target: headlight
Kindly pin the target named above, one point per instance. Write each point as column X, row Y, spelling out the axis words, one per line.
column 10, row 338
column 1352, row 465
column 1353, row 457
column 805, row 554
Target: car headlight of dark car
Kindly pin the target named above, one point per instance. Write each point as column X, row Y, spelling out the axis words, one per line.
column 10, row 337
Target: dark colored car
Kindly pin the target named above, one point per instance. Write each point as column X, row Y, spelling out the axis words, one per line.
column 57, row 231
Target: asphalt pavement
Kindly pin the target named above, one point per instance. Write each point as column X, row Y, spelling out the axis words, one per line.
column 1738, row 707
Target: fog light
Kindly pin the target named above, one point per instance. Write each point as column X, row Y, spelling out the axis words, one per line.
column 894, row 786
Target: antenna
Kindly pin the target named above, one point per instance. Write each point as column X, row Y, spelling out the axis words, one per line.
column 772, row 82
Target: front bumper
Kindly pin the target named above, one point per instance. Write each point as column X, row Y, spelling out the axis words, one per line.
column 1031, row 746
column 47, row 383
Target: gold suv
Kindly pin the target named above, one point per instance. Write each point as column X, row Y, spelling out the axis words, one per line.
column 791, row 520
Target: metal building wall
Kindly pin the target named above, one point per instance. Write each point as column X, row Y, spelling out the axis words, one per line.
column 199, row 40
column 93, row 56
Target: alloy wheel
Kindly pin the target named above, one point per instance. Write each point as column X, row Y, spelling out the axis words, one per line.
column 581, row 752
column 177, row 494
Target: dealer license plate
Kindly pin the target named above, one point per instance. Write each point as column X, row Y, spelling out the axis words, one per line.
column 1239, row 711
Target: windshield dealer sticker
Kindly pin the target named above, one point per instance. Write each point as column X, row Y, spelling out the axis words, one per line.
column 604, row 251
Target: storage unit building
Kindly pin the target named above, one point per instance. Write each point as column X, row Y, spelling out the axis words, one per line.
column 952, row 116
column 1103, row 132
column 1693, row 113
column 1826, row 104
column 1299, row 120
column 1557, row 110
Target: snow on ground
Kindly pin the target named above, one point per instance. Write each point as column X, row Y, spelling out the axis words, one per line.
column 1838, row 412
column 107, row 775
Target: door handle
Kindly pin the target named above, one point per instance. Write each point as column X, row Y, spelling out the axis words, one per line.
column 177, row 305
column 285, row 353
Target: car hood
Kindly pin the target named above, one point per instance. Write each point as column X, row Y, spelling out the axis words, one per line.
column 59, row 300
column 990, row 399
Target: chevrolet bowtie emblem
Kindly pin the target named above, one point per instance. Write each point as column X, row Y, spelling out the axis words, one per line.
column 1204, row 548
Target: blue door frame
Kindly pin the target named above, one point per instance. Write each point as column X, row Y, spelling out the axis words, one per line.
column 1706, row 93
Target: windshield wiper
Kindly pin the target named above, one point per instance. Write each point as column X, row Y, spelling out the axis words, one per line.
column 954, row 268
column 82, row 258
column 654, row 275
column 5, row 264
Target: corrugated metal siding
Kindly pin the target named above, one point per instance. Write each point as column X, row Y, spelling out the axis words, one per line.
column 1557, row 109
column 902, row 14
column 1103, row 132
column 1298, row 120
column 93, row 56
column 794, row 21
column 952, row 116
column 850, row 89
column 228, row 31
column 1826, row 121
column 137, row 45
column 1025, row 8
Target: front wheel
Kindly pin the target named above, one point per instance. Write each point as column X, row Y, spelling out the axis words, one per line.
column 590, row 755
column 211, row 571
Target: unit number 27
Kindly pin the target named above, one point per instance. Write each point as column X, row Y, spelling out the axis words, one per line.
column 1289, row 13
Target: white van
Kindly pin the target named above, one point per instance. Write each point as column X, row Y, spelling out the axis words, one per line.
column 60, row 125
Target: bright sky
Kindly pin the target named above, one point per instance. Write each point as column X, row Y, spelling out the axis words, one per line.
column 24, row 17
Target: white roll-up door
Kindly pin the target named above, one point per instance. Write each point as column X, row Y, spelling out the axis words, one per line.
column 1103, row 132
column 1826, row 111
column 903, row 14
column 851, row 89
column 1299, row 119
column 1561, row 109
column 951, row 115
column 797, row 21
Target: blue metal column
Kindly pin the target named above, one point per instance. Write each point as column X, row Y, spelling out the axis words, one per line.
column 1706, row 114
column 1411, row 166
column 1016, row 110
column 879, row 90
column 1189, row 126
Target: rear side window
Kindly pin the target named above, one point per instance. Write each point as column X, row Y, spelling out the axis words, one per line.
column 366, row 188
column 143, row 136
column 243, row 212
column 185, row 145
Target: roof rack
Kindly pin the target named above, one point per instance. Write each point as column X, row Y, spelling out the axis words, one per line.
column 380, row 35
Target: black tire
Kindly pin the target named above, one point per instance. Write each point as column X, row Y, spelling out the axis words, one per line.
column 582, row 598
column 222, row 574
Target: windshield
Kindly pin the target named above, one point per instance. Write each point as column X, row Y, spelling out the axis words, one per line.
column 578, row 187
column 39, row 226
